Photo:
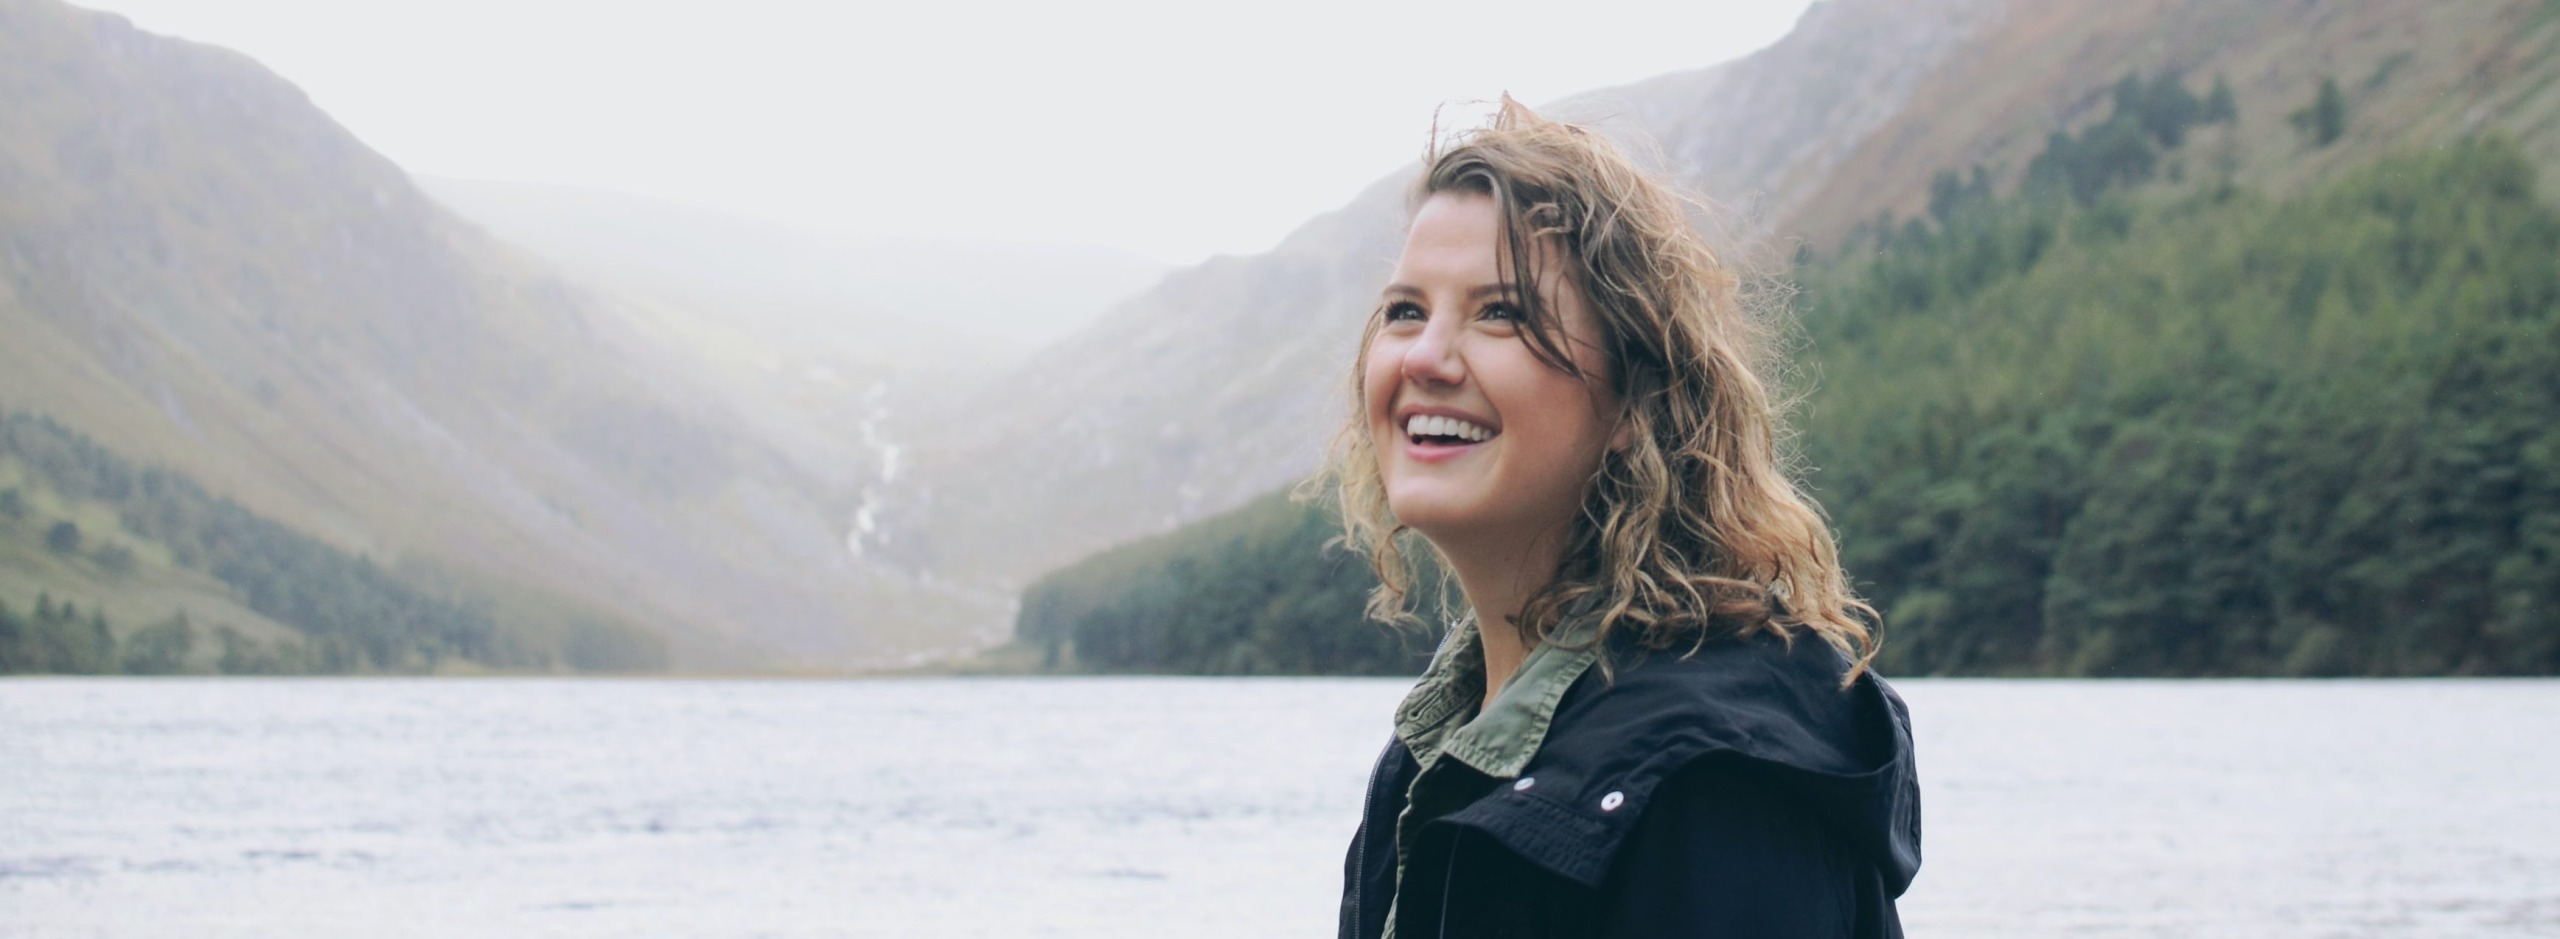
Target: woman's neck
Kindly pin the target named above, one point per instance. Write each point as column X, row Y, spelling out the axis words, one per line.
column 1504, row 650
column 1497, row 583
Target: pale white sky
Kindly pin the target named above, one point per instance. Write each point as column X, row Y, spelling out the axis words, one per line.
column 1174, row 129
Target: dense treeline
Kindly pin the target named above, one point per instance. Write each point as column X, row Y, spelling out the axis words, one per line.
column 353, row 615
column 55, row 639
column 2207, row 434
column 2103, row 425
column 1251, row 592
column 58, row 638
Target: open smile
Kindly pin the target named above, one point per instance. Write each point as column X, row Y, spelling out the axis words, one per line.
column 1435, row 437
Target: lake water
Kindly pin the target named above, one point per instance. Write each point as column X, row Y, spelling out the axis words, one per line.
column 1178, row 807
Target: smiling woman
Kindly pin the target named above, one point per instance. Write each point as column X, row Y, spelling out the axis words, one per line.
column 1561, row 394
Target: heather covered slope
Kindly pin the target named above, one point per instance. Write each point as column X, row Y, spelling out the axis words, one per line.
column 2412, row 74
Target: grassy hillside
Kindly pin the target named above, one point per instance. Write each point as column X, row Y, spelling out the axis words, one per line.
column 149, row 550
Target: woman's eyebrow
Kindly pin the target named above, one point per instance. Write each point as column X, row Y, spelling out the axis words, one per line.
column 1478, row 292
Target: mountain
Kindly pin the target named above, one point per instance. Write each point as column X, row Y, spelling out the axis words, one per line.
column 202, row 271
column 1224, row 381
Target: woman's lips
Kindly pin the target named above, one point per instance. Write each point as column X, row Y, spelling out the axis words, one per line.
column 1434, row 435
column 1439, row 451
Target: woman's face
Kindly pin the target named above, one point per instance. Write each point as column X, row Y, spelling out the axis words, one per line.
column 1478, row 441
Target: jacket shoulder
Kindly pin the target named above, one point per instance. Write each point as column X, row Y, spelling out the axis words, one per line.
column 1761, row 705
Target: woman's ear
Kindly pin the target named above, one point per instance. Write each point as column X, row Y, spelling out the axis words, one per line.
column 1625, row 434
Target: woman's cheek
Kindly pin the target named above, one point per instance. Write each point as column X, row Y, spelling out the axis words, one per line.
column 1378, row 381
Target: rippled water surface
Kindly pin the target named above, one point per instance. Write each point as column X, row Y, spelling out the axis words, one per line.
column 1177, row 807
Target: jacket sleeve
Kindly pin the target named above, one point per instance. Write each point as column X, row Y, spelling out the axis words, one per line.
column 1722, row 851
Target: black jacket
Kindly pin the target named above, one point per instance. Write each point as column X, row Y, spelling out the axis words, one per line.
column 1733, row 792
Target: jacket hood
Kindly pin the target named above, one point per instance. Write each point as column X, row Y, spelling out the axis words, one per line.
column 1764, row 704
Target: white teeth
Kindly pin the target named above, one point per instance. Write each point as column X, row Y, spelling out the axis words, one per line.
column 1429, row 425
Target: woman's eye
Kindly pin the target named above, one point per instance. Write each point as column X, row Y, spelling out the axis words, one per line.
column 1503, row 313
column 1401, row 312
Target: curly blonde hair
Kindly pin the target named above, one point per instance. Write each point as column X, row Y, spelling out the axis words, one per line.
column 1693, row 530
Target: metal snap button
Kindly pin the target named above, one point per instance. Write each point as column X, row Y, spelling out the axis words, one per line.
column 1610, row 802
column 1524, row 784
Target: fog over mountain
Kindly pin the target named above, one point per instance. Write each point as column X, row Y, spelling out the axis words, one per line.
column 966, row 304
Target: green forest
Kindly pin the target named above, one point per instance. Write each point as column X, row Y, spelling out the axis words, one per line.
column 348, row 614
column 2123, row 419
column 1249, row 592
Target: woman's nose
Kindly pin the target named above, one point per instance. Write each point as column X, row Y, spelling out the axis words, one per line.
column 1433, row 356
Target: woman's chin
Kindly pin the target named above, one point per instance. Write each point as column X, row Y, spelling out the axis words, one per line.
column 1433, row 515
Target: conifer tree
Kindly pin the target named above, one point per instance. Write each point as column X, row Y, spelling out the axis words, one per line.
column 2219, row 106
column 63, row 538
column 2324, row 120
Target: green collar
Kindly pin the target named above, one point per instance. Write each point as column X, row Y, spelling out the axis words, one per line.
column 1439, row 717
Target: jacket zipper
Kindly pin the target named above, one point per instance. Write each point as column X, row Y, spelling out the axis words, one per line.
column 1448, row 875
column 1360, row 880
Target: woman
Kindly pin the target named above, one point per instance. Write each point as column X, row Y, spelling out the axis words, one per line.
column 1655, row 718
